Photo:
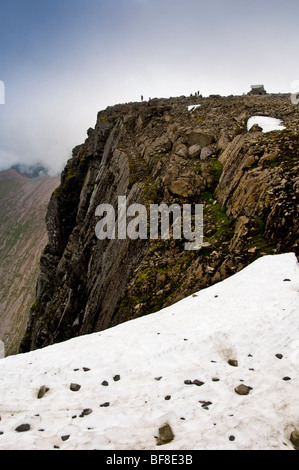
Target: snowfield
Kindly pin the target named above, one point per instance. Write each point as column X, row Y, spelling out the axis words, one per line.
column 132, row 379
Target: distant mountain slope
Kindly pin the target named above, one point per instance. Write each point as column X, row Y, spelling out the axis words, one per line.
column 219, row 367
column 23, row 205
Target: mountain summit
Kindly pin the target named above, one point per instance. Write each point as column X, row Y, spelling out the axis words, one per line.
column 174, row 151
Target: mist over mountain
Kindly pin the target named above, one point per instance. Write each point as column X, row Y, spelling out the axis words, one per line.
column 57, row 77
column 31, row 171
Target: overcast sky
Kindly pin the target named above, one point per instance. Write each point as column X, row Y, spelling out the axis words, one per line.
column 64, row 60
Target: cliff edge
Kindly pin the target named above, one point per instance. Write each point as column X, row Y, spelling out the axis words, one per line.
column 175, row 151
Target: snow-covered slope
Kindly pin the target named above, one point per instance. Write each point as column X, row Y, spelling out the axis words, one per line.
column 132, row 377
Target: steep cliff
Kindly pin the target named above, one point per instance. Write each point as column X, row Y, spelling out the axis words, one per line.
column 165, row 151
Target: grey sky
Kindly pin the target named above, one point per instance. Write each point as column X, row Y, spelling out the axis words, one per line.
column 63, row 61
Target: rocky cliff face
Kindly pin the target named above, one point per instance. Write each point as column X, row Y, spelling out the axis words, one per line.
column 23, row 237
column 154, row 152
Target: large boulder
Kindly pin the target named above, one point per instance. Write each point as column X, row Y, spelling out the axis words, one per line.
column 199, row 137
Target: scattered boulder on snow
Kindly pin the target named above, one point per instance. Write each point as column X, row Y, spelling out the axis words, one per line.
column 105, row 405
column 243, row 389
column 198, row 383
column 75, row 387
column 165, row 435
column 85, row 412
column 233, row 362
column 295, row 439
column 194, row 382
column 42, row 391
column 23, row 428
column 188, row 382
column 205, row 404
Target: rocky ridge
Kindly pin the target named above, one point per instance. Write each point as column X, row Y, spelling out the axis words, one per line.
column 154, row 152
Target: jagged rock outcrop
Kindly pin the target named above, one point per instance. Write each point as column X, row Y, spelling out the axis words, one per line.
column 154, row 152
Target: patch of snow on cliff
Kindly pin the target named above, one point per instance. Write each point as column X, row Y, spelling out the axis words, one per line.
column 268, row 124
column 193, row 107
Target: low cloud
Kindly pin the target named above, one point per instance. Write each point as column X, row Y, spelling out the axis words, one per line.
column 101, row 55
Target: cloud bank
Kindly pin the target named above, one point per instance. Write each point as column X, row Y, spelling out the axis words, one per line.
column 62, row 62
